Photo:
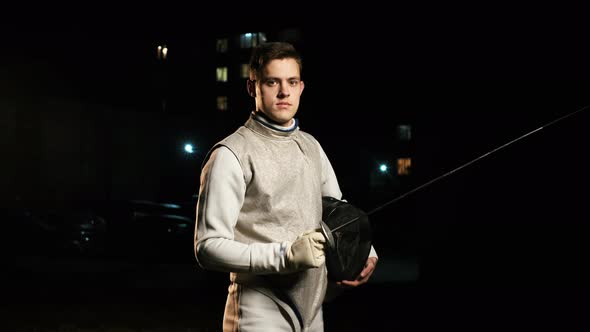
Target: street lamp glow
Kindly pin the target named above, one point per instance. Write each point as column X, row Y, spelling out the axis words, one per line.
column 383, row 168
column 188, row 148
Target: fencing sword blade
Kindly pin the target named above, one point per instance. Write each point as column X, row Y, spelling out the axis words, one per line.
column 327, row 232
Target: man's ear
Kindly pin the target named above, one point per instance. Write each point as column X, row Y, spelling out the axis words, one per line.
column 251, row 86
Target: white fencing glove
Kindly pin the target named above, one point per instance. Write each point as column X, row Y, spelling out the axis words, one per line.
column 307, row 251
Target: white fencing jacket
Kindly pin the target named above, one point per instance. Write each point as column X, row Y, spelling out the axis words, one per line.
column 260, row 188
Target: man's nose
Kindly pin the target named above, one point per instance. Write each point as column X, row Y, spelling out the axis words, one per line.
column 284, row 91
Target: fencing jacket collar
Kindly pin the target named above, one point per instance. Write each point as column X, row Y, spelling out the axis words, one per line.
column 263, row 119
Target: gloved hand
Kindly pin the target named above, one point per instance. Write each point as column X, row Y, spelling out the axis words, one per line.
column 307, row 251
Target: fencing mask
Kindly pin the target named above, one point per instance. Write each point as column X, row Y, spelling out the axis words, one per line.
column 348, row 247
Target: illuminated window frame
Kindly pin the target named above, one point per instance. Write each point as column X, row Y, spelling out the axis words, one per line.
column 252, row 39
column 222, row 45
column 162, row 52
column 222, row 103
column 404, row 166
column 404, row 132
column 245, row 70
column 221, row 74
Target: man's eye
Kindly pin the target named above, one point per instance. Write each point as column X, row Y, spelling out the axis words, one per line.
column 294, row 82
column 271, row 82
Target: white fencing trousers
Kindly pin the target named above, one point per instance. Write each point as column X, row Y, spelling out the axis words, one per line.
column 249, row 310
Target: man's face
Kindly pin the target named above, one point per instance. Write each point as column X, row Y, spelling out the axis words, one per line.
column 278, row 90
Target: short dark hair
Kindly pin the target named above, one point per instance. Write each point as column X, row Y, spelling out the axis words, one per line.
column 266, row 52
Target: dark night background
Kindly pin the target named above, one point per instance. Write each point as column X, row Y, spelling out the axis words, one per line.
column 85, row 142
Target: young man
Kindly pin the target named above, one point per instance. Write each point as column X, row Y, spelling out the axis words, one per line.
column 260, row 207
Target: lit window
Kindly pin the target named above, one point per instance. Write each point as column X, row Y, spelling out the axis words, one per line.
column 221, row 74
column 245, row 70
column 249, row 40
column 222, row 103
column 222, row 45
column 403, row 166
column 161, row 52
column 404, row 132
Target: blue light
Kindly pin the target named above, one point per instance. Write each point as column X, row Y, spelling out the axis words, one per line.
column 383, row 168
column 188, row 148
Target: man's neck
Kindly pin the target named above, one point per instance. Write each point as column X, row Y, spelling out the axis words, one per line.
column 262, row 117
